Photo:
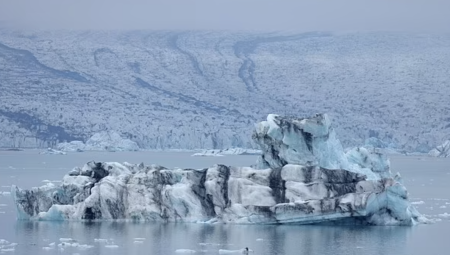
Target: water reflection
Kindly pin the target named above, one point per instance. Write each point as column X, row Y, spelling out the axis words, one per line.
column 208, row 239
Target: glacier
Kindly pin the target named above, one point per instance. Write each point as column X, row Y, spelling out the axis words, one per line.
column 303, row 176
column 202, row 89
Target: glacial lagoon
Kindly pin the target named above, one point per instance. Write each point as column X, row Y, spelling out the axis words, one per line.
column 426, row 179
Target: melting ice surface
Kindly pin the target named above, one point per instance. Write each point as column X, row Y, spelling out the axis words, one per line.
column 426, row 178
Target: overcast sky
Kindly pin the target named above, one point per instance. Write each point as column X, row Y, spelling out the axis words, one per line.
column 301, row 15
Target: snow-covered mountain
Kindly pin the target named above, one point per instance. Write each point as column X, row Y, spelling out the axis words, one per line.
column 165, row 89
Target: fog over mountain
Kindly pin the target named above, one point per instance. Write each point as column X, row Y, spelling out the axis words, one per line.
column 236, row 15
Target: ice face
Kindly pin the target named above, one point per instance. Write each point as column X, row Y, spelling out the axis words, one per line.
column 291, row 194
column 373, row 164
column 299, row 141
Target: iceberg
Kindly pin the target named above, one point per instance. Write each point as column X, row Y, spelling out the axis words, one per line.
column 51, row 151
column 229, row 151
column 303, row 177
column 102, row 141
column 73, row 146
column 442, row 150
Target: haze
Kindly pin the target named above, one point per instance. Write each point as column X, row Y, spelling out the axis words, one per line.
column 345, row 15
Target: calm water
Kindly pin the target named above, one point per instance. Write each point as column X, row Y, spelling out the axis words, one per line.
column 426, row 179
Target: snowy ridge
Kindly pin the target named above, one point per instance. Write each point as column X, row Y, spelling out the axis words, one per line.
column 296, row 188
column 191, row 90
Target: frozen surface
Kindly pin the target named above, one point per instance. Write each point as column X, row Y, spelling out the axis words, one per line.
column 309, row 179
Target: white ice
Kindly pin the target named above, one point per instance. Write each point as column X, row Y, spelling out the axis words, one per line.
column 51, row 151
column 185, row 251
column 112, row 246
column 102, row 141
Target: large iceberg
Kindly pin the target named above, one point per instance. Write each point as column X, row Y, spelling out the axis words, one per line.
column 306, row 178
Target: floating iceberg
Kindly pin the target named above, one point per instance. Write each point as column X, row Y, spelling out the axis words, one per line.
column 73, row 146
column 103, row 141
column 229, row 151
column 442, row 150
column 53, row 152
column 305, row 178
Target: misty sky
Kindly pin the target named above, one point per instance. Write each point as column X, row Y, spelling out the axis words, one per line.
column 301, row 15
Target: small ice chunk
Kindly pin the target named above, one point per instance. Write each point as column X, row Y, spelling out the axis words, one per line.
column 444, row 215
column 85, row 246
column 47, row 248
column 100, row 240
column 241, row 251
column 259, row 239
column 185, row 251
column 112, row 246
column 8, row 250
column 138, row 241
column 62, row 239
column 418, row 203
